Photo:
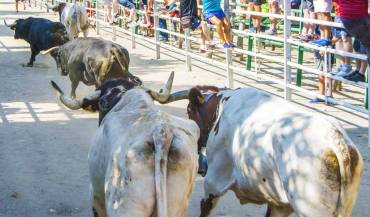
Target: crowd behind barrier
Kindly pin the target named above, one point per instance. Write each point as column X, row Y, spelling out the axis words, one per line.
column 290, row 27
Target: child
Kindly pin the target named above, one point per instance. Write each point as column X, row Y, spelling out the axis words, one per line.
column 213, row 13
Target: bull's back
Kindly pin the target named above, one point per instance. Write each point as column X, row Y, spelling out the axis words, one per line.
column 44, row 34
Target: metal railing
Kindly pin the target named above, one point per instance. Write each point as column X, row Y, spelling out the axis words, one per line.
column 228, row 62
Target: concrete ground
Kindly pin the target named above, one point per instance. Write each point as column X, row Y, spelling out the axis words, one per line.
column 43, row 157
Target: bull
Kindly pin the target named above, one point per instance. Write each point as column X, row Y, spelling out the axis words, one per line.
column 269, row 151
column 74, row 17
column 40, row 33
column 142, row 161
column 92, row 61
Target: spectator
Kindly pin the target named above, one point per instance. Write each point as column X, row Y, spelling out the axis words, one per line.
column 361, row 65
column 213, row 13
column 255, row 5
column 274, row 9
column 109, row 14
column 323, row 9
column 206, row 38
column 129, row 4
column 308, row 31
column 354, row 15
column 343, row 42
column 189, row 14
column 24, row 2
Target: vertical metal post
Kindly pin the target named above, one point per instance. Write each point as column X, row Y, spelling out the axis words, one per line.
column 187, row 49
column 40, row 5
column 230, row 73
column 133, row 42
column 287, row 50
column 114, row 29
column 156, row 33
column 97, row 17
column 328, row 81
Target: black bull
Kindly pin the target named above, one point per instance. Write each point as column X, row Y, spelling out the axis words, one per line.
column 40, row 33
column 92, row 61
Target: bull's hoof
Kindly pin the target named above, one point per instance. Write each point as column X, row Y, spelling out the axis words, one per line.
column 27, row 65
column 203, row 165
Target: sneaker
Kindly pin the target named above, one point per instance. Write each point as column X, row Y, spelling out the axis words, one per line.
column 348, row 76
column 231, row 45
column 338, row 69
column 316, row 100
column 322, row 42
column 202, row 49
column 346, row 69
column 271, row 32
column 252, row 30
column 212, row 43
column 357, row 77
column 226, row 45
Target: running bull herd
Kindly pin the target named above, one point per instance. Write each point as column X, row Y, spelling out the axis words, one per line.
column 143, row 161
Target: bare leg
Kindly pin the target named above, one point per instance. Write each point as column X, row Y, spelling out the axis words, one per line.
column 227, row 32
column 321, row 85
column 219, row 29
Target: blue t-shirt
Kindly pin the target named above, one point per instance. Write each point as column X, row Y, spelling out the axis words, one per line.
column 211, row 6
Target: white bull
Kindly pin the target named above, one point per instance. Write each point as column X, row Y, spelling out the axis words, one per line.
column 130, row 176
column 268, row 150
column 74, row 17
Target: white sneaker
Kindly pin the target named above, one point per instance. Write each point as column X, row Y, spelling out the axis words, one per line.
column 338, row 69
column 346, row 69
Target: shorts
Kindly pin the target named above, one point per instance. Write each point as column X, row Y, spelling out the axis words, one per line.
column 323, row 6
column 258, row 2
column 218, row 14
column 127, row 3
column 358, row 47
column 339, row 32
column 308, row 5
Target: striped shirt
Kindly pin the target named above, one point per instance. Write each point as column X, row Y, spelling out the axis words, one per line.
column 352, row 9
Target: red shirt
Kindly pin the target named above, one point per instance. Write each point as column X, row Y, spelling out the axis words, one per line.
column 352, row 9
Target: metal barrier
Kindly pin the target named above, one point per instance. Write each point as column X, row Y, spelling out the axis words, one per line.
column 227, row 64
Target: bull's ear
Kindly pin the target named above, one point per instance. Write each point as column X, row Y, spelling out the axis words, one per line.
column 195, row 96
column 58, row 26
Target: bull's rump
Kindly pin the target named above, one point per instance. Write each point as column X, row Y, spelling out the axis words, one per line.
column 129, row 176
column 282, row 154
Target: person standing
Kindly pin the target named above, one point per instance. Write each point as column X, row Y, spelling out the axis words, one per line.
column 354, row 15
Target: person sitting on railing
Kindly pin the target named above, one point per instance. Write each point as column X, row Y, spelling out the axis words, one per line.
column 323, row 9
column 361, row 65
column 109, row 14
column 343, row 42
column 354, row 15
column 255, row 5
column 308, row 30
column 213, row 14
column 129, row 4
column 273, row 9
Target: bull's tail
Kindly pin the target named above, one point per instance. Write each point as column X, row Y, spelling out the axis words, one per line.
column 351, row 167
column 78, row 13
column 162, row 138
column 116, row 56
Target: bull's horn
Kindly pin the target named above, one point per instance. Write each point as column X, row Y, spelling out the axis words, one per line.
column 164, row 94
column 49, row 50
column 73, row 104
column 11, row 25
column 179, row 95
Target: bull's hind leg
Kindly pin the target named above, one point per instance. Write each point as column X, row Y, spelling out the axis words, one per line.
column 217, row 182
column 74, row 85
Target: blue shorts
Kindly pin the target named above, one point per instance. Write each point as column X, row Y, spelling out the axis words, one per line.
column 339, row 32
column 358, row 47
column 219, row 14
column 127, row 3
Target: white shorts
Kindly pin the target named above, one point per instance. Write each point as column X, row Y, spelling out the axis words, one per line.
column 323, row 5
